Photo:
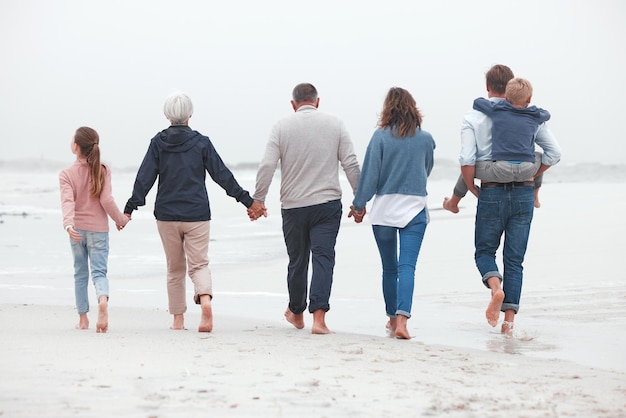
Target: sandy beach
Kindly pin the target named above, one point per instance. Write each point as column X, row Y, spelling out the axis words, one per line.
column 566, row 358
column 259, row 368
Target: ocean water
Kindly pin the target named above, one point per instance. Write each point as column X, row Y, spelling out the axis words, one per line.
column 573, row 304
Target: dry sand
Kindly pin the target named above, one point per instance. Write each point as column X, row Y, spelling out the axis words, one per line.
column 254, row 369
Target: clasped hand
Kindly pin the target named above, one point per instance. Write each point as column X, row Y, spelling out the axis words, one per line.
column 256, row 210
column 358, row 216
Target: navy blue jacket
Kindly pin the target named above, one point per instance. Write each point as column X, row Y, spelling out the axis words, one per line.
column 514, row 129
column 180, row 157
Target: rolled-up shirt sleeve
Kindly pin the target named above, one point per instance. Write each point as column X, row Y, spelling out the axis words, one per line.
column 468, row 144
column 549, row 145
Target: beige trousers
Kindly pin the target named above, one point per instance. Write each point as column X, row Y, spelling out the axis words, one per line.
column 186, row 246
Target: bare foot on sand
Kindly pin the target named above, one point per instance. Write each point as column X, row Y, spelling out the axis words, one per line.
column 451, row 204
column 507, row 328
column 401, row 331
column 179, row 322
column 297, row 320
column 319, row 323
column 493, row 310
column 391, row 326
column 83, row 322
column 102, row 325
column 206, row 321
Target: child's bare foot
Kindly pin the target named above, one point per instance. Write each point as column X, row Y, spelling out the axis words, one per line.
column 451, row 204
column 102, row 325
column 319, row 323
column 401, row 331
column 297, row 320
column 83, row 322
column 206, row 321
column 493, row 309
column 179, row 322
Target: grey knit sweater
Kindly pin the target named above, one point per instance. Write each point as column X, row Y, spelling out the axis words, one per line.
column 310, row 145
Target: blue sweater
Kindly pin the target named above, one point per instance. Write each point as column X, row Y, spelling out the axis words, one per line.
column 395, row 165
column 180, row 158
column 514, row 129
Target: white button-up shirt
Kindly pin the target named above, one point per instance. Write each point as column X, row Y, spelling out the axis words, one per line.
column 476, row 139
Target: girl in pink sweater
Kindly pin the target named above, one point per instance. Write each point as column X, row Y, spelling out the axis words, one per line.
column 86, row 200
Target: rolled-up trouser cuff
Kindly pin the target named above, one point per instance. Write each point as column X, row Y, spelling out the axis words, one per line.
column 460, row 188
column 403, row 313
column 490, row 274
column 196, row 297
column 510, row 306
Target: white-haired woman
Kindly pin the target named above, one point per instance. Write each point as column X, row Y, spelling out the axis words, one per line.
column 180, row 157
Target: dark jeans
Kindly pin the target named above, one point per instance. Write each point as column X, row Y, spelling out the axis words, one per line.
column 505, row 210
column 311, row 231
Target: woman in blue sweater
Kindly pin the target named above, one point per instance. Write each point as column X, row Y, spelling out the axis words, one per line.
column 398, row 161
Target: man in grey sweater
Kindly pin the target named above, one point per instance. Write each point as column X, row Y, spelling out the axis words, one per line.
column 309, row 145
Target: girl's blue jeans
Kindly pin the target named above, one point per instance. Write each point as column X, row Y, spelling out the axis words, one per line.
column 92, row 252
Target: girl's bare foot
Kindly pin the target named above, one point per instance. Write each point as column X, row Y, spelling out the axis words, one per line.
column 179, row 322
column 319, row 323
column 391, row 326
column 83, row 321
column 297, row 320
column 493, row 309
column 102, row 325
column 206, row 321
column 401, row 331
column 451, row 204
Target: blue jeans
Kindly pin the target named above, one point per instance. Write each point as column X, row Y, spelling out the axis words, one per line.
column 92, row 250
column 509, row 211
column 311, row 231
column 399, row 272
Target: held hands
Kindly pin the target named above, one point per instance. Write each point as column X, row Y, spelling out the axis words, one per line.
column 256, row 210
column 358, row 216
column 120, row 226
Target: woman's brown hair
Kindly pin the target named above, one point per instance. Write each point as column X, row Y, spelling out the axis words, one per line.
column 87, row 140
column 400, row 113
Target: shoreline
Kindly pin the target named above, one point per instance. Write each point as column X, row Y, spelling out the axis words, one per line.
column 565, row 360
column 271, row 369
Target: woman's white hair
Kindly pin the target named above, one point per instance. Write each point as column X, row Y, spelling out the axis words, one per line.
column 178, row 108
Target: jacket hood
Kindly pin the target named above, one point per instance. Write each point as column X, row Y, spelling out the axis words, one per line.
column 178, row 138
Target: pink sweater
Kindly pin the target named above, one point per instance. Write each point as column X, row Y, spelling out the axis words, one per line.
column 80, row 209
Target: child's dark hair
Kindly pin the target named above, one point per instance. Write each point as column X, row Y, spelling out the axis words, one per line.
column 87, row 140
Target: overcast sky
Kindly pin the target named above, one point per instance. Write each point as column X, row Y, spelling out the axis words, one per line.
column 110, row 65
